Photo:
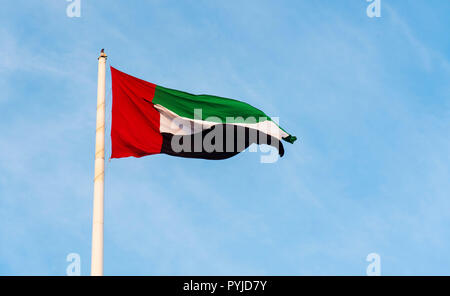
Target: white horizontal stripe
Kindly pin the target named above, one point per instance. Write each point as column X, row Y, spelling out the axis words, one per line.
column 170, row 122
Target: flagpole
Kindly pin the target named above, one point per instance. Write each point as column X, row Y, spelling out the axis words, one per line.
column 99, row 176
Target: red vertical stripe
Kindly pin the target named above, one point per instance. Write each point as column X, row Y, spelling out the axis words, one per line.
column 135, row 122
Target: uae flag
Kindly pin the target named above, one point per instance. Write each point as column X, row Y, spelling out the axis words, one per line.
column 150, row 119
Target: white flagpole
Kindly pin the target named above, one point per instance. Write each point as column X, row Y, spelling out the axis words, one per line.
column 99, row 185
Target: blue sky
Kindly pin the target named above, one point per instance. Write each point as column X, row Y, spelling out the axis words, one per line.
column 368, row 98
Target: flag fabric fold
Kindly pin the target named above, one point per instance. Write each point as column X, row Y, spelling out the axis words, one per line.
column 151, row 119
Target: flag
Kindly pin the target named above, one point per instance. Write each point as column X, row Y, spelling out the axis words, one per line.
column 150, row 119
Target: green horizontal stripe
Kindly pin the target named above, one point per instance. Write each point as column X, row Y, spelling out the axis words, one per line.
column 183, row 104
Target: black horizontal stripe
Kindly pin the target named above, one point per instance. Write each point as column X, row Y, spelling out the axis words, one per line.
column 228, row 140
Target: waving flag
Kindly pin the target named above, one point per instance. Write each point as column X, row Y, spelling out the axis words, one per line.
column 150, row 119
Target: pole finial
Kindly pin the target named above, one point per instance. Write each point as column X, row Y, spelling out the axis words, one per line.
column 102, row 53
